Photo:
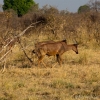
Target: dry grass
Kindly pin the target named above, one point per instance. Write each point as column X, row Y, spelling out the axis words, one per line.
column 78, row 79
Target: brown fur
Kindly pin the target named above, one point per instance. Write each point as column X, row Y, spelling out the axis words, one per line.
column 52, row 49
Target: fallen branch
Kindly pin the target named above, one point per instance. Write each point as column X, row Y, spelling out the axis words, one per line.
column 25, row 52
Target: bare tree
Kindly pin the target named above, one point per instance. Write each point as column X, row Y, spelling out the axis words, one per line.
column 11, row 43
column 94, row 5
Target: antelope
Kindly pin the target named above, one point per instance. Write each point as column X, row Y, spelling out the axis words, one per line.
column 37, row 45
column 55, row 49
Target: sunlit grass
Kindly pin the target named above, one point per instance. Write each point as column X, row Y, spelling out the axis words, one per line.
column 69, row 82
column 77, row 79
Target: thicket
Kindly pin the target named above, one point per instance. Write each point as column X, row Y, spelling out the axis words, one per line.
column 21, row 7
column 53, row 25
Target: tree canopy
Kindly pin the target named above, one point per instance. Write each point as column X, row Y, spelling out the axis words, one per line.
column 19, row 6
column 83, row 8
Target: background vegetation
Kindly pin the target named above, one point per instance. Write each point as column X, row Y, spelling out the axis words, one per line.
column 78, row 79
column 21, row 7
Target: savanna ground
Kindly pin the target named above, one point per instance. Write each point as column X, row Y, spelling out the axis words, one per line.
column 79, row 76
column 77, row 79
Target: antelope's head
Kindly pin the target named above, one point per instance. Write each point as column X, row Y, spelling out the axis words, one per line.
column 75, row 48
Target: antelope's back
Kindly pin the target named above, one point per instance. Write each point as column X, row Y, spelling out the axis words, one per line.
column 51, row 48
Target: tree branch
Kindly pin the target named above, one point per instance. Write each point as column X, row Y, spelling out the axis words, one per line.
column 22, row 33
column 25, row 52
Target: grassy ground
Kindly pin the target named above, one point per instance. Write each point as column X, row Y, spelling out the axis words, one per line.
column 77, row 79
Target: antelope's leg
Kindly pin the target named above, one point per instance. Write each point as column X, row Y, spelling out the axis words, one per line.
column 59, row 59
column 57, row 56
column 35, row 56
column 40, row 60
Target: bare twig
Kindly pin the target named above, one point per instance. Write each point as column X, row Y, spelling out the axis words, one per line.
column 22, row 33
column 5, row 55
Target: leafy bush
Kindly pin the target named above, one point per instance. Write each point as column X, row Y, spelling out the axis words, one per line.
column 20, row 6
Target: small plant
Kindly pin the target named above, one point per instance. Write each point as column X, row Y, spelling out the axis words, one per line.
column 69, row 85
column 18, row 85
